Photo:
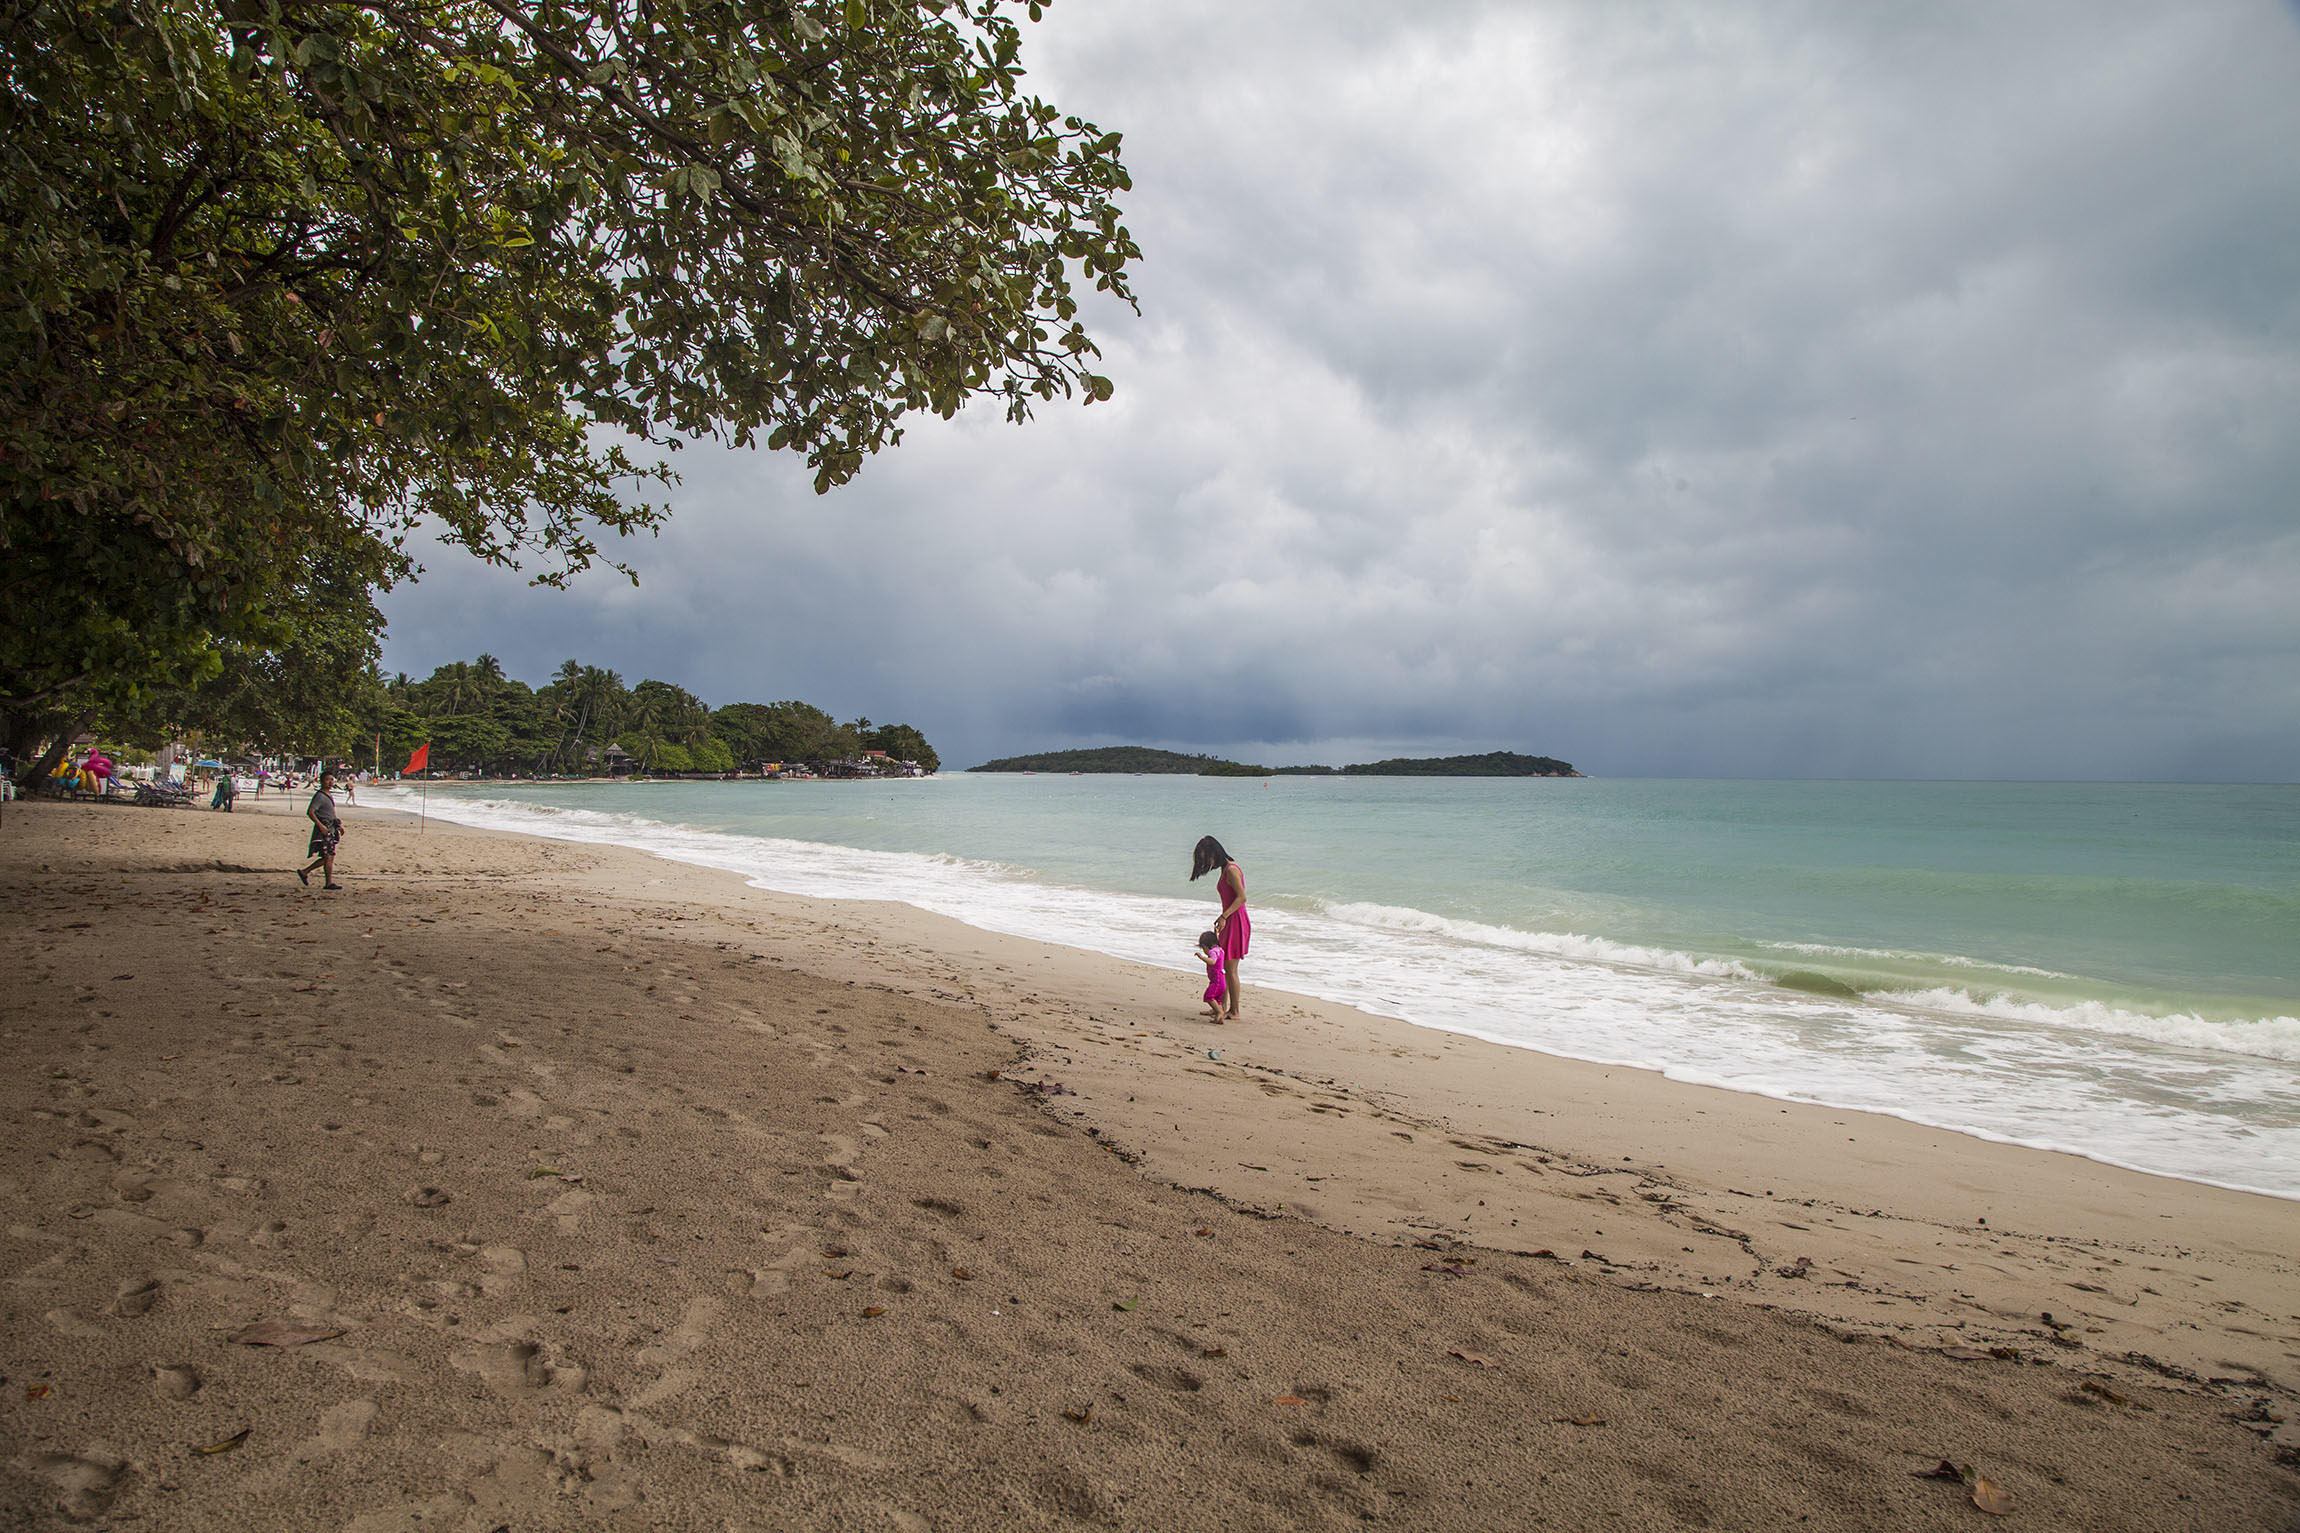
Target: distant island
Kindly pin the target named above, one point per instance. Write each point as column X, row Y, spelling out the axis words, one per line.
column 1143, row 759
column 1119, row 758
column 1491, row 764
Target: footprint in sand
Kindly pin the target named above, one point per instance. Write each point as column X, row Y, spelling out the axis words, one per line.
column 82, row 1484
column 68, row 1323
column 339, row 1429
column 506, row 1269
column 365, row 1366
column 840, row 1163
column 775, row 1276
column 521, row 1368
column 176, row 1381
column 693, row 1329
column 567, row 1209
column 135, row 1296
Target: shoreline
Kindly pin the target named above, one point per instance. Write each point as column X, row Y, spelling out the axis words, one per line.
column 1683, row 1074
column 288, row 1088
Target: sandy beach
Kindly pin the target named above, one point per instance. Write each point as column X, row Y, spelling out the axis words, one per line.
column 529, row 1185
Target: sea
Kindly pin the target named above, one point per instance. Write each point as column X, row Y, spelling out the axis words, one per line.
column 2106, row 969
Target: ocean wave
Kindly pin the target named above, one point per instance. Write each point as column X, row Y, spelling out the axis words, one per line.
column 1568, row 945
column 2264, row 1038
column 1895, row 955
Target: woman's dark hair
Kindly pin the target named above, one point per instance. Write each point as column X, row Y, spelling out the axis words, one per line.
column 1208, row 939
column 1207, row 858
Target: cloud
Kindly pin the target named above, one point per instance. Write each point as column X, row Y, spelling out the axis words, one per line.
column 1773, row 390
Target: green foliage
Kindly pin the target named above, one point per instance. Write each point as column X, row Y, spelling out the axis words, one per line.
column 587, row 705
column 467, row 740
column 653, row 753
column 295, row 276
column 785, row 731
column 303, row 686
column 560, row 726
column 903, row 743
column 670, row 712
column 402, row 732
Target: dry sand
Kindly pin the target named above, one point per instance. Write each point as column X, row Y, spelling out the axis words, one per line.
column 628, row 1196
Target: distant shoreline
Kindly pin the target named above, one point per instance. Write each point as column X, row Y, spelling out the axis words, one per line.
column 697, row 780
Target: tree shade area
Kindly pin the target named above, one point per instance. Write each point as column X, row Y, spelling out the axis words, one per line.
column 1143, row 759
column 293, row 279
column 479, row 719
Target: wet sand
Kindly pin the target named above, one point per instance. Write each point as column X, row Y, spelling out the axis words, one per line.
column 629, row 1196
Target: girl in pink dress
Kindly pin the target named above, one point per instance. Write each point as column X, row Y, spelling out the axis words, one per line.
column 1210, row 954
column 1232, row 929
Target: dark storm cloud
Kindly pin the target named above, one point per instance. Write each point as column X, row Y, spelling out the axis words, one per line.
column 1702, row 390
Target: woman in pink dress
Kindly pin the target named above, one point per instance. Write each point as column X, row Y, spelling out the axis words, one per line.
column 1232, row 926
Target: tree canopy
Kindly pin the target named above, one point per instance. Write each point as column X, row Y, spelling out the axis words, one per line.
column 476, row 716
column 296, row 277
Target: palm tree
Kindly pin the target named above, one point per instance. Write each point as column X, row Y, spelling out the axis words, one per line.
column 562, row 687
column 486, row 683
column 593, row 690
column 458, row 682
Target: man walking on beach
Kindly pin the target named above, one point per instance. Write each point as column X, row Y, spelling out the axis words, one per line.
column 326, row 831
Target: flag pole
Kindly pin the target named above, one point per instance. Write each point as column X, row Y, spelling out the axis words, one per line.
column 419, row 760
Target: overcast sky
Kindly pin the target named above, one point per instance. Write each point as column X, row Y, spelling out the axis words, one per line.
column 1697, row 390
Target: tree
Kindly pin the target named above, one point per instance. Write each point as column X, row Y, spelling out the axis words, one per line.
column 785, row 731
column 312, row 691
column 655, row 753
column 296, row 274
column 591, row 703
column 903, row 743
column 671, row 711
column 467, row 740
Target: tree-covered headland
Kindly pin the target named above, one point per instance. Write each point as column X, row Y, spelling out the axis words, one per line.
column 478, row 718
column 294, row 282
column 1144, row 759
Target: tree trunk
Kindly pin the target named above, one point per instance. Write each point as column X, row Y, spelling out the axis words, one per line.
column 28, row 732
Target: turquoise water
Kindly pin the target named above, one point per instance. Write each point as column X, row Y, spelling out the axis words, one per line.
column 2108, row 968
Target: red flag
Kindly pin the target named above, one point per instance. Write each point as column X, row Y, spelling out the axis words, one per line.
column 422, row 756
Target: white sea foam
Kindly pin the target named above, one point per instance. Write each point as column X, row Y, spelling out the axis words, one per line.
column 2265, row 1038
column 2212, row 1102
column 1555, row 944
